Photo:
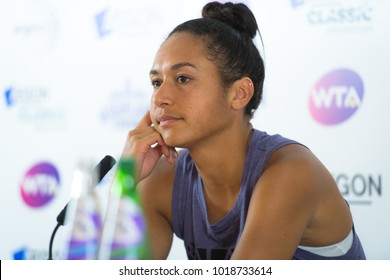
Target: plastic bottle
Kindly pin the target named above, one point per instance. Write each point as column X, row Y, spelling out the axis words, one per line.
column 83, row 216
column 124, row 234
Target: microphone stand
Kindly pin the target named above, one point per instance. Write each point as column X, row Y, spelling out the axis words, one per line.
column 52, row 240
column 102, row 169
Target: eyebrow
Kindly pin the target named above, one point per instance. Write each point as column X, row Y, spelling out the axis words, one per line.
column 175, row 67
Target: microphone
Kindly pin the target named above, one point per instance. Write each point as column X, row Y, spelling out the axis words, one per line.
column 101, row 169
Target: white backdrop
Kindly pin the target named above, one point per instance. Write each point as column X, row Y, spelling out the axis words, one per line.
column 74, row 80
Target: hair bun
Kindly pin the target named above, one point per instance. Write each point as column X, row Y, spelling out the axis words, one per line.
column 237, row 16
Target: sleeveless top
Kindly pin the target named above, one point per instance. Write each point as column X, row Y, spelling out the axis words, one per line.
column 203, row 240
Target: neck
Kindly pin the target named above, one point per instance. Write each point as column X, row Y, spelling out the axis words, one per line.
column 220, row 162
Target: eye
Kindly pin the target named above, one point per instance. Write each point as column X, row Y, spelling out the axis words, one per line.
column 156, row 83
column 183, row 79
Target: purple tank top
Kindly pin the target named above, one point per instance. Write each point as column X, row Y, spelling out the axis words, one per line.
column 203, row 240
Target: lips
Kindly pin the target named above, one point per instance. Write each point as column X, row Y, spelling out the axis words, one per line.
column 165, row 120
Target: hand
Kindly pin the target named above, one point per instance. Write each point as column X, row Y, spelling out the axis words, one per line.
column 146, row 145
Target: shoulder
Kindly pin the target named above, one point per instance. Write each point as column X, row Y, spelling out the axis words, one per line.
column 297, row 161
column 294, row 166
column 293, row 180
column 284, row 203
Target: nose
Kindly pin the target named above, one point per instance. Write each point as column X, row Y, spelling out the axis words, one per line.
column 162, row 95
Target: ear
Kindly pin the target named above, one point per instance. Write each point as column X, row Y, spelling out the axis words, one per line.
column 242, row 92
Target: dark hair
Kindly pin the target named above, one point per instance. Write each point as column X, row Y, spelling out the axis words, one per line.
column 229, row 30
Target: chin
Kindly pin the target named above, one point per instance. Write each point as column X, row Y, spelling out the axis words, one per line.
column 173, row 141
column 169, row 139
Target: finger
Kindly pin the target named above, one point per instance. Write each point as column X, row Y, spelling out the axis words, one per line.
column 145, row 121
column 172, row 155
column 155, row 140
column 164, row 149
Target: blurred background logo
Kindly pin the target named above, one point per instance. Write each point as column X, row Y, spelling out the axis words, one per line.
column 40, row 184
column 336, row 97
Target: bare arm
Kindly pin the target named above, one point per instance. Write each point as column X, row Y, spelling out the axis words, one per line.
column 156, row 197
column 294, row 202
column 155, row 163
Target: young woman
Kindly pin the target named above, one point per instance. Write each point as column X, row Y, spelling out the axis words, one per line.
column 232, row 192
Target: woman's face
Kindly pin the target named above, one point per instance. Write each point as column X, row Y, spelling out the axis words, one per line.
column 188, row 104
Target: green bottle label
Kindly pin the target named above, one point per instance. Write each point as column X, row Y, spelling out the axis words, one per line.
column 129, row 241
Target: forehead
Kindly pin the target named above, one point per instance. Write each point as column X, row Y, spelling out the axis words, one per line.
column 181, row 47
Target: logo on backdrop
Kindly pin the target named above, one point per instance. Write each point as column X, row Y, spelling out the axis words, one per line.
column 360, row 188
column 123, row 21
column 40, row 185
column 33, row 105
column 336, row 97
column 31, row 28
column 27, row 253
column 297, row 3
column 337, row 13
column 125, row 107
column 35, row 95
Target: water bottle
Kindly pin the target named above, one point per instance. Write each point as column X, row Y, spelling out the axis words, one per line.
column 124, row 234
column 83, row 216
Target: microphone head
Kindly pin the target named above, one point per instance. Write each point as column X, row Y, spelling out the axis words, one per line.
column 101, row 169
column 104, row 166
column 61, row 216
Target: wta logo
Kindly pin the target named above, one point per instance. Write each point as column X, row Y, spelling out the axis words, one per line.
column 336, row 97
column 40, row 184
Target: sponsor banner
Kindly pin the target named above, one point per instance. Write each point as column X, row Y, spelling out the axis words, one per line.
column 74, row 80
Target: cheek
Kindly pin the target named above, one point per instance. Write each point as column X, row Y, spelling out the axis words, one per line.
column 153, row 110
column 207, row 113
